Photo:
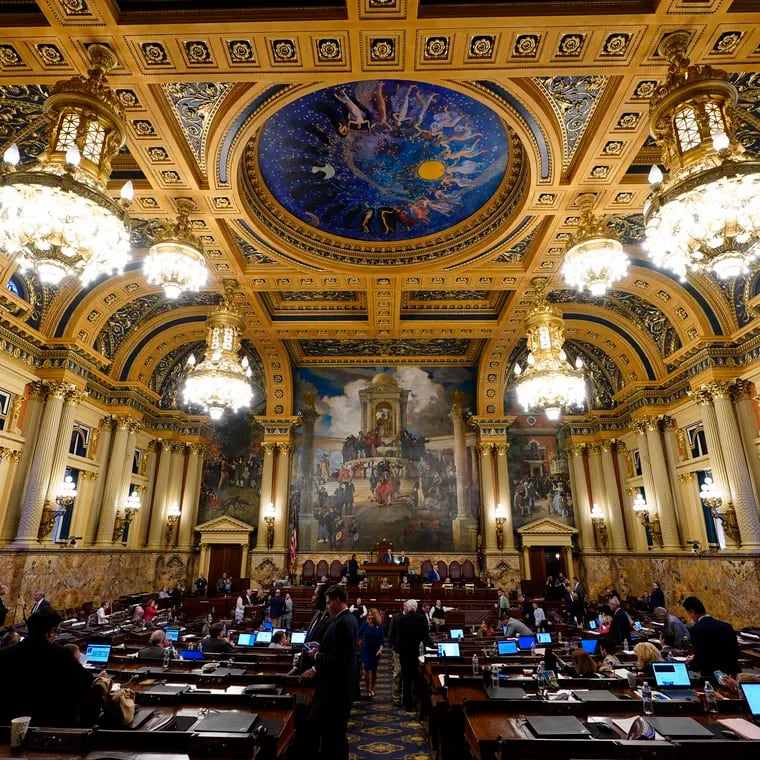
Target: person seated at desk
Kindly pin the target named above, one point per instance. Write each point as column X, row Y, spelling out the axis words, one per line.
column 606, row 649
column 103, row 612
column 402, row 559
column 516, row 628
column 215, row 644
column 582, row 665
column 41, row 678
column 163, row 593
column 674, row 633
column 385, row 583
column 279, row 641
column 9, row 639
column 605, row 621
column 151, row 610
column 156, row 647
column 387, row 558
column 646, row 653
column 484, row 631
column 404, row 584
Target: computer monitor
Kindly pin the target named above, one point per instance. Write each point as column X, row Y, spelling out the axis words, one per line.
column 246, row 639
column 506, row 646
column 544, row 637
column 267, row 625
column 592, row 625
column 526, row 642
column 456, row 633
column 172, row 634
column 589, row 645
column 448, row 649
column 671, row 674
column 752, row 695
column 637, row 625
column 190, row 654
column 264, row 637
column 298, row 637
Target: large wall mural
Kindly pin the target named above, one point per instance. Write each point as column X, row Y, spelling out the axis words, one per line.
column 383, row 160
column 386, row 453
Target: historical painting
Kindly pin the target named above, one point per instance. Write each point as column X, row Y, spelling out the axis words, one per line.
column 383, row 159
column 386, row 453
column 232, row 470
column 539, row 478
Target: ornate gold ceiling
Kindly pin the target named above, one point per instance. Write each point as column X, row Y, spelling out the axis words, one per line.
column 487, row 121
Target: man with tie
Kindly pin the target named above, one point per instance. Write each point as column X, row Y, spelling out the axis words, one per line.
column 40, row 603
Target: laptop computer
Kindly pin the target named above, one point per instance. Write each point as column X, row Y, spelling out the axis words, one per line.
column 246, row 639
column 680, row 728
column 264, row 637
column 297, row 637
column 672, row 679
column 526, row 642
column 267, row 625
column 172, row 634
column 589, row 645
column 557, row 727
column 752, row 695
column 456, row 633
column 505, row 692
column 96, row 655
column 448, row 649
column 544, row 637
column 592, row 626
column 506, row 647
column 596, row 695
column 190, row 654
column 227, row 722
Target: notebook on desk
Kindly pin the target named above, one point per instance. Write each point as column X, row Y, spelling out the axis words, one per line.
column 672, row 679
column 264, row 637
column 190, row 654
column 227, row 722
column 557, row 727
column 589, row 645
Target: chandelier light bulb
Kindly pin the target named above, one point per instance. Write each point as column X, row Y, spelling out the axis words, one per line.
column 578, row 362
column 73, row 156
column 191, row 361
column 552, row 413
column 655, row 175
column 562, row 355
column 531, row 360
column 720, row 142
column 127, row 193
column 518, row 370
column 12, row 155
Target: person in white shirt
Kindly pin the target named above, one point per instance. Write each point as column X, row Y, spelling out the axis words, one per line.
column 103, row 612
column 240, row 608
column 539, row 616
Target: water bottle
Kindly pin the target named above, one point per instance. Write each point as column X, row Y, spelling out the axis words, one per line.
column 646, row 699
column 626, row 646
column 711, row 701
column 495, row 676
column 475, row 670
column 540, row 679
column 167, row 658
column 533, row 649
column 559, row 637
column 422, row 649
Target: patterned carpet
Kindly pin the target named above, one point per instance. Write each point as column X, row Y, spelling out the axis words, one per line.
column 379, row 729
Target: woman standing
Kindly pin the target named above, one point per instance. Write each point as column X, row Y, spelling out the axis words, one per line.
column 371, row 640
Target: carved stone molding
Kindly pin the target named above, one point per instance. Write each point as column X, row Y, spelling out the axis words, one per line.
column 686, row 477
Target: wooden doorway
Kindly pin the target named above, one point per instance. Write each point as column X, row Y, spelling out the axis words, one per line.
column 224, row 558
column 546, row 561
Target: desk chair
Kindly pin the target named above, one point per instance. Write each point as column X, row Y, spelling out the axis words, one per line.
column 469, row 588
column 427, row 587
column 448, row 588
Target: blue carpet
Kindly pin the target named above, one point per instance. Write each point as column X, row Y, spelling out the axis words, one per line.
column 379, row 729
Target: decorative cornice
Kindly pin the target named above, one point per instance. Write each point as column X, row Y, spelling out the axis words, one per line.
column 686, row 477
column 10, row 455
column 88, row 475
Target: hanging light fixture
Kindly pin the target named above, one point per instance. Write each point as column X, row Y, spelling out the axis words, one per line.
column 549, row 382
column 175, row 261
column 704, row 214
column 55, row 214
column 221, row 380
column 594, row 258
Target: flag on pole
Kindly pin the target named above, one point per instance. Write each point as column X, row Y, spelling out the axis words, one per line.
column 294, row 542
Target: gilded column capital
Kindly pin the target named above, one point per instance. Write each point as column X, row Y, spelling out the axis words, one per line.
column 668, row 423
column 10, row 455
column 88, row 475
column 287, row 448
column 620, row 446
column 268, row 448
column 639, row 426
column 702, row 395
column 166, row 445
column 721, row 388
column 37, row 390
column 108, row 422
column 686, row 477
column 743, row 389
column 178, row 447
column 577, row 449
column 196, row 449
column 596, row 448
column 59, row 389
column 502, row 449
column 123, row 423
column 485, row 449
column 631, row 490
column 135, row 426
column 652, row 423
column 75, row 396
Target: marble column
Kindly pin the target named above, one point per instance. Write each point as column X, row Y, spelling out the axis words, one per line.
column 598, row 493
column 504, row 495
column 746, row 415
column 703, row 397
column 632, row 527
column 280, row 500
column 190, row 495
column 158, row 506
column 112, row 486
column 125, row 481
column 308, row 527
column 616, row 525
column 266, row 496
column 107, row 426
column 581, row 497
column 174, row 490
column 488, row 499
column 694, row 525
column 39, row 472
column 9, row 459
column 456, row 415
column 35, row 404
column 63, row 442
column 85, row 491
column 744, row 502
column 666, row 508
column 671, row 456
column 138, row 531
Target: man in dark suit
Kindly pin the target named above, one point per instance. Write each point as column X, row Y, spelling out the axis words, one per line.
column 40, row 603
column 714, row 642
column 620, row 628
column 657, row 597
column 335, row 671
column 3, row 608
column 411, row 631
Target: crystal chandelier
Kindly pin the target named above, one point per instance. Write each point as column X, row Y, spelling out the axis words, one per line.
column 594, row 259
column 221, row 380
column 704, row 214
column 549, row 382
column 175, row 261
column 55, row 214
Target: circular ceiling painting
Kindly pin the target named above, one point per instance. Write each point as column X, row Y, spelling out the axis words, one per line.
column 385, row 160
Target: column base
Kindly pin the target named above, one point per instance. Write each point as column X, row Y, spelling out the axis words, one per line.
column 24, row 543
column 465, row 531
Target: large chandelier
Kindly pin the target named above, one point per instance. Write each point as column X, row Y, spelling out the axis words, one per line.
column 55, row 215
column 548, row 382
column 704, row 214
column 221, row 380
column 175, row 261
column 594, row 259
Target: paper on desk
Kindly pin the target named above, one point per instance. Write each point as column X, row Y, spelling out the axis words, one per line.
column 742, row 727
column 442, row 678
column 624, row 724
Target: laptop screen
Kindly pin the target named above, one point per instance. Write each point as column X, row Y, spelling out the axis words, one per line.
column 448, row 649
column 190, row 654
column 671, row 674
column 172, row 634
column 526, row 642
column 506, row 647
column 298, row 637
column 752, row 695
column 589, row 645
column 637, row 625
column 246, row 639
column 98, row 653
column 264, row 637
column 456, row 633
column 267, row 625
column 592, row 625
column 544, row 637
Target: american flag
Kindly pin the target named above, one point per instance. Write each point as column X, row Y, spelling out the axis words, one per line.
column 294, row 542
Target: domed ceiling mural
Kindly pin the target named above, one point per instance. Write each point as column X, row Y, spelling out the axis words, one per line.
column 383, row 160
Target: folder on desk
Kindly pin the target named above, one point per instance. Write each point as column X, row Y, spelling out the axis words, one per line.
column 227, row 722
column 505, row 692
column 595, row 695
column 680, row 728
column 557, row 727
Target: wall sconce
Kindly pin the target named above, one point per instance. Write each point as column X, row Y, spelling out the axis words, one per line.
column 172, row 519
column 124, row 518
column 600, row 529
column 269, row 515
column 500, row 520
column 711, row 497
column 651, row 524
column 64, row 498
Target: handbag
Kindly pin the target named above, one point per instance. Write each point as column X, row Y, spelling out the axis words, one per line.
column 118, row 706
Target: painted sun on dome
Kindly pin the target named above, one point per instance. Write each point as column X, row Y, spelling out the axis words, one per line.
column 385, row 160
